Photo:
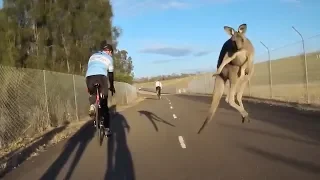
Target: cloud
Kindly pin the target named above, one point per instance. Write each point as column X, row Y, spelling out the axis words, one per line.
column 176, row 52
column 202, row 53
column 169, row 51
column 165, row 61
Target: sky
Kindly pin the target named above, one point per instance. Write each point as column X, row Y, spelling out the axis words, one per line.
column 172, row 36
column 181, row 36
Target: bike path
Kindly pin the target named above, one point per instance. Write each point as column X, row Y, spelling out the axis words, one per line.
column 144, row 146
column 279, row 143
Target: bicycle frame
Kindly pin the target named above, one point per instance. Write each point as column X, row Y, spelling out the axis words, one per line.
column 98, row 97
column 98, row 120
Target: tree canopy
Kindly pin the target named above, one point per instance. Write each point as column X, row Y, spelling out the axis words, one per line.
column 59, row 35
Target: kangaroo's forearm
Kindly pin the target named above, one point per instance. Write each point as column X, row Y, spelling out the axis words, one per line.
column 225, row 62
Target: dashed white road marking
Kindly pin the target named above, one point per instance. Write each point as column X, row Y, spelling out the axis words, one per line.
column 171, row 107
column 170, row 103
column 174, row 116
column 181, row 141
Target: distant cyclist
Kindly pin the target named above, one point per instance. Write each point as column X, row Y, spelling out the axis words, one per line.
column 100, row 66
column 158, row 87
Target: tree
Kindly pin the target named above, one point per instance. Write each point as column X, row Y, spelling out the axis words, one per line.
column 123, row 66
column 58, row 35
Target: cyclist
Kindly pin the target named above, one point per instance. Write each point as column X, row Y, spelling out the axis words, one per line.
column 100, row 66
column 158, row 87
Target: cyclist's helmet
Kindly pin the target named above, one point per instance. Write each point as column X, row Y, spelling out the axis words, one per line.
column 105, row 46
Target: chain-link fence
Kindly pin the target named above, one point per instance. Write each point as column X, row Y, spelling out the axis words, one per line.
column 33, row 100
column 289, row 74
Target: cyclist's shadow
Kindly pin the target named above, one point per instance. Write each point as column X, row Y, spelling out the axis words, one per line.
column 119, row 163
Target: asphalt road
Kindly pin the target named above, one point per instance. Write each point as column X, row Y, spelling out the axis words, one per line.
column 279, row 143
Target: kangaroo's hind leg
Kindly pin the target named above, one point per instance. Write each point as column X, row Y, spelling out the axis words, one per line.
column 242, row 85
column 233, row 78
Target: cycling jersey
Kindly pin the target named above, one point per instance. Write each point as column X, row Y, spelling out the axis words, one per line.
column 158, row 83
column 100, row 63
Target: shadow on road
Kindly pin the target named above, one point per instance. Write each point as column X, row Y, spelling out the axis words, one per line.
column 152, row 117
column 14, row 158
column 295, row 163
column 120, row 164
column 80, row 139
column 270, row 134
column 304, row 123
column 155, row 98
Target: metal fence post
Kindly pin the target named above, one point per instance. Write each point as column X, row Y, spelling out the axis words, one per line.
column 46, row 96
column 205, row 84
column 270, row 70
column 305, row 65
column 126, row 95
column 75, row 97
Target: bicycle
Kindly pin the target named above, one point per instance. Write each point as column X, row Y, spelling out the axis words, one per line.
column 98, row 123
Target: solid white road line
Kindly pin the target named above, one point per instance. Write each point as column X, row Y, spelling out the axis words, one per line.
column 181, row 141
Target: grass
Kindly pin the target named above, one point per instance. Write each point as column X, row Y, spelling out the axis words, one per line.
column 289, row 70
column 288, row 79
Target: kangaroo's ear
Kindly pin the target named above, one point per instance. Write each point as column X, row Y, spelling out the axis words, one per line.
column 229, row 30
column 242, row 28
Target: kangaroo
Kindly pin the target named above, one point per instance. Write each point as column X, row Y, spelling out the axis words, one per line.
column 236, row 53
column 243, row 57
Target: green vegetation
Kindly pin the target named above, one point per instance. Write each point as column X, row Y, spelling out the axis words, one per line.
column 59, row 35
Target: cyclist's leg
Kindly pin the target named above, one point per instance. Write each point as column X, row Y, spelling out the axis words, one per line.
column 159, row 91
column 104, row 104
column 90, row 81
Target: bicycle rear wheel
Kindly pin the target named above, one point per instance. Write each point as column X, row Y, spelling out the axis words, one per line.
column 99, row 130
column 97, row 122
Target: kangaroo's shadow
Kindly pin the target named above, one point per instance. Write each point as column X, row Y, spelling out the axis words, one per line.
column 152, row 118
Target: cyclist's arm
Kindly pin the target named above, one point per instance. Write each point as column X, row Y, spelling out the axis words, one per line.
column 111, row 79
column 110, row 73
